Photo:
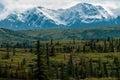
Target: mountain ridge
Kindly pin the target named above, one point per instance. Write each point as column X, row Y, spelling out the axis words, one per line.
column 78, row 16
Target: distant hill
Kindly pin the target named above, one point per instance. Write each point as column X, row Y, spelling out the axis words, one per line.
column 7, row 35
column 59, row 34
column 81, row 33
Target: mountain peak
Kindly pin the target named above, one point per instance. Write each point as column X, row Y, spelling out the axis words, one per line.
column 84, row 4
column 80, row 15
column 81, row 5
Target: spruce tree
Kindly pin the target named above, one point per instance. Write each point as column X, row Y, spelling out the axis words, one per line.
column 116, row 66
column 77, row 71
column 100, row 68
column 41, row 71
column 105, row 70
column 105, row 46
column 52, row 52
column 91, row 68
column 62, row 71
column 57, row 71
column 47, row 56
column 111, row 46
column 63, row 74
column 23, row 62
column 51, row 42
column 7, row 56
column 70, row 67
column 84, row 49
column 73, row 41
column 14, row 51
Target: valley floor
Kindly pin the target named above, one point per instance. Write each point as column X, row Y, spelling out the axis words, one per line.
column 18, row 59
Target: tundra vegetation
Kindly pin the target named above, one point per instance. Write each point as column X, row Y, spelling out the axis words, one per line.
column 97, row 59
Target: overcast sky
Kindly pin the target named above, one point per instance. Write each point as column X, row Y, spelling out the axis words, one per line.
column 7, row 6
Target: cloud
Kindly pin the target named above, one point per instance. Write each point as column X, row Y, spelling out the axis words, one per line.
column 112, row 6
column 24, row 4
column 1, row 7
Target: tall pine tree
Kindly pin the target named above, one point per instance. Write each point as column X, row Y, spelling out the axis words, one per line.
column 41, row 71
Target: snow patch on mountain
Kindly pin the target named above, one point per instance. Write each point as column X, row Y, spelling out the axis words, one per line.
column 51, row 15
column 75, row 16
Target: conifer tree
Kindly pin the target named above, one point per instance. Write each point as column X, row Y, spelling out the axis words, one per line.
column 7, row 56
column 63, row 74
column 47, row 56
column 74, row 41
column 91, row 68
column 41, row 71
column 77, row 71
column 57, row 71
column 100, row 68
column 105, row 70
column 117, row 67
column 51, row 42
column 23, row 62
column 14, row 51
column 105, row 46
column 111, row 46
column 52, row 52
column 78, row 49
column 84, row 49
column 70, row 67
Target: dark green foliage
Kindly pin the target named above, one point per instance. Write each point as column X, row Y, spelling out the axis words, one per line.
column 47, row 56
column 105, row 70
column 63, row 74
column 7, row 56
column 70, row 67
column 52, row 52
column 100, row 68
column 51, row 42
column 84, row 49
column 116, row 66
column 41, row 71
column 105, row 46
column 23, row 62
column 14, row 53
column 91, row 68
column 77, row 76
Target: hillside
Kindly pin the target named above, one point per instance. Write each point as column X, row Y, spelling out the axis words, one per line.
column 7, row 35
column 81, row 33
column 59, row 34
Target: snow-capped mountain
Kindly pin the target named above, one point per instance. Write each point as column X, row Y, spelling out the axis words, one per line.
column 80, row 15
